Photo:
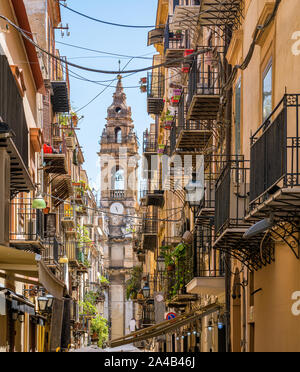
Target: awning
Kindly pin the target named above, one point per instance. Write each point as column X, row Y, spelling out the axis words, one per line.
column 30, row 265
column 166, row 326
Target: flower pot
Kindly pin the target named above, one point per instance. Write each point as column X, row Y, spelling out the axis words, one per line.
column 46, row 210
column 185, row 70
column 143, row 80
column 95, row 337
column 188, row 52
column 171, row 267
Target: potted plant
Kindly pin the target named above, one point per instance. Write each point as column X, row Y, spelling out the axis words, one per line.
column 178, row 34
column 99, row 329
column 143, row 88
column 143, row 80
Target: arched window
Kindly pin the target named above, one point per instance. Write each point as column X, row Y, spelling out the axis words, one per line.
column 118, row 134
column 119, row 179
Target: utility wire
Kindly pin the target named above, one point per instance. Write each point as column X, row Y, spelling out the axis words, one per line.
column 102, row 52
column 97, row 70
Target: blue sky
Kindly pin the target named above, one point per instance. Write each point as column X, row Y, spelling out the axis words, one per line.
column 90, row 34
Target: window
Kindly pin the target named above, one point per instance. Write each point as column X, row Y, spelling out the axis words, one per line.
column 237, row 118
column 118, row 135
column 119, row 180
column 267, row 91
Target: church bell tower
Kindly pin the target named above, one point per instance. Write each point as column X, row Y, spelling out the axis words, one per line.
column 119, row 164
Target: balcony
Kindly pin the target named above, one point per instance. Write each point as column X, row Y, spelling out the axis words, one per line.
column 68, row 220
column 155, row 198
column 204, row 87
column 175, row 46
column 156, row 36
column 76, row 254
column 112, row 139
column 55, row 159
column 53, row 251
column 178, row 278
column 148, row 317
column 232, row 190
column 27, row 226
column 192, row 136
column 208, row 264
column 155, row 93
column 275, row 163
column 60, row 89
column 14, row 134
column 221, row 14
column 118, row 194
column 186, row 15
column 149, row 144
column 150, row 230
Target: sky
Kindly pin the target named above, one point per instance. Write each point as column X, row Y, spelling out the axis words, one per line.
column 90, row 34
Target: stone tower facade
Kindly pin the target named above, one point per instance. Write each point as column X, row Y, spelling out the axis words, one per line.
column 119, row 164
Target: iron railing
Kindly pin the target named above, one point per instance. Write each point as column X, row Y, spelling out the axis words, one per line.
column 175, row 41
column 53, row 251
column 206, row 261
column 232, row 190
column 150, row 224
column 275, row 151
column 112, row 139
column 205, row 76
column 155, row 85
column 11, row 109
column 150, row 142
column 26, row 223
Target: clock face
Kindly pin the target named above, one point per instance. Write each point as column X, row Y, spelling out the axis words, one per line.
column 117, row 208
column 159, row 298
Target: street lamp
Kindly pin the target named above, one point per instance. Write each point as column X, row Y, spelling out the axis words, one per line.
column 161, row 265
column 146, row 291
column 39, row 202
column 42, row 303
column 50, row 301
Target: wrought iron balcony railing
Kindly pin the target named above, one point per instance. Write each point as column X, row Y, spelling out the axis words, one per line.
column 53, row 251
column 207, row 261
column 232, row 190
column 155, row 92
column 26, row 225
column 275, row 156
column 205, row 84
column 149, row 143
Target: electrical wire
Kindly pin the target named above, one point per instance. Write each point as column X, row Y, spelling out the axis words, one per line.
column 102, row 52
column 119, row 24
column 150, row 68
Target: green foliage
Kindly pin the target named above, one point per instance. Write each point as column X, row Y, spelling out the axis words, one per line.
column 88, row 308
column 100, row 327
column 133, row 285
column 103, row 280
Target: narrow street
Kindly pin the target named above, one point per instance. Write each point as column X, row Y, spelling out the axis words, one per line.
column 150, row 178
